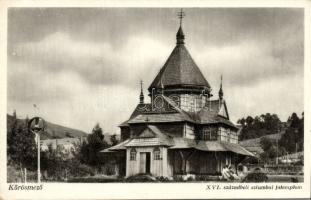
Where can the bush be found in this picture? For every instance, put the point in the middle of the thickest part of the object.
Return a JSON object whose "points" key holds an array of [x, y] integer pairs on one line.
{"points": [[162, 179], [93, 180], [202, 178], [178, 178], [256, 176], [81, 170], [13, 175], [141, 178], [109, 169]]}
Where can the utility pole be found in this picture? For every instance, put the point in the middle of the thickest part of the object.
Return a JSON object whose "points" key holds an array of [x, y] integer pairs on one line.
{"points": [[37, 125], [38, 142], [277, 152]]}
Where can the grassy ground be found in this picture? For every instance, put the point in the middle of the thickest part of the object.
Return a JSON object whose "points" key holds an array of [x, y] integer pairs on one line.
{"points": [[113, 179], [285, 178]]}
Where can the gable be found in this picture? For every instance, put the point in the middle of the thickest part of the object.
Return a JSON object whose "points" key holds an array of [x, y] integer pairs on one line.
{"points": [[147, 133]]}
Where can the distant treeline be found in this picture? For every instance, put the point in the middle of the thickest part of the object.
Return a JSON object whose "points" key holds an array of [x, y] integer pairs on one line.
{"points": [[266, 124]]}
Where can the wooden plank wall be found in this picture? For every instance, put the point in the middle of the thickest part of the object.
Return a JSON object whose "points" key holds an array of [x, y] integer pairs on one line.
{"points": [[157, 167], [199, 163]]}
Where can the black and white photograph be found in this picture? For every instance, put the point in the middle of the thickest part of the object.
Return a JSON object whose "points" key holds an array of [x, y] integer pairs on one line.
{"points": [[156, 95]]}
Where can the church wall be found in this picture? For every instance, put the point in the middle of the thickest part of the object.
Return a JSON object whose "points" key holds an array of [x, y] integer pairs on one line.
{"points": [[170, 162], [209, 133], [125, 133], [174, 129], [199, 162], [188, 131], [177, 162], [164, 162], [192, 102], [137, 129], [203, 163], [131, 165], [227, 135]]}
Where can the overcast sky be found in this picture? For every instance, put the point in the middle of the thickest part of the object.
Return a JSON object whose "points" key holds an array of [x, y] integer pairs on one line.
{"points": [[81, 66]]}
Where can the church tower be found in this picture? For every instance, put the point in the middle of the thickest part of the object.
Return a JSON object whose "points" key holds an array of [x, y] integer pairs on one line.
{"points": [[181, 120], [180, 79]]}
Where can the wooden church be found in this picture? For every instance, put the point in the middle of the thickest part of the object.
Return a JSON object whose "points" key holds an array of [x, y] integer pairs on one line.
{"points": [[182, 131]]}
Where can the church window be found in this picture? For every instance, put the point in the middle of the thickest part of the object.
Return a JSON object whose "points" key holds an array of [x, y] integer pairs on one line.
{"points": [[133, 154], [209, 133], [157, 153], [214, 133], [228, 135], [206, 134], [192, 102]]}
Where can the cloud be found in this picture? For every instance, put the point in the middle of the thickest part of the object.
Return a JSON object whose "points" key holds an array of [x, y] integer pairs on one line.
{"points": [[35, 85], [83, 65], [249, 62], [97, 63], [278, 96], [65, 98]]}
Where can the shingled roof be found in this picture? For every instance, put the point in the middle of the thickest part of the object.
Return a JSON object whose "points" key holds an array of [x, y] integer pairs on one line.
{"points": [[163, 139], [207, 115], [179, 70], [158, 138], [184, 143]]}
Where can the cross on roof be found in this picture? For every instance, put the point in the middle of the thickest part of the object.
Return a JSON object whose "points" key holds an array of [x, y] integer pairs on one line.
{"points": [[181, 15], [141, 84]]}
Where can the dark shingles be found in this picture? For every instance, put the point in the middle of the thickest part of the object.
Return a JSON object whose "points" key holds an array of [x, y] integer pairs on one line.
{"points": [[184, 143], [179, 69]]}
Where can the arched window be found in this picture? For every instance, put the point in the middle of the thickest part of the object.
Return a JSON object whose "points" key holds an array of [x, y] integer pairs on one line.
{"points": [[133, 154], [157, 153]]}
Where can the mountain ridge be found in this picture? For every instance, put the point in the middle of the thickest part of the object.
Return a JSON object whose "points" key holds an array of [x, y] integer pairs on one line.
{"points": [[56, 131], [53, 131]]}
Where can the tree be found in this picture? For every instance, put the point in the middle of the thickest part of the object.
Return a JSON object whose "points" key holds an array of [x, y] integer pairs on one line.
{"points": [[54, 161], [114, 140], [259, 126], [249, 120], [265, 143], [293, 138], [242, 122], [21, 144], [270, 150], [90, 150]]}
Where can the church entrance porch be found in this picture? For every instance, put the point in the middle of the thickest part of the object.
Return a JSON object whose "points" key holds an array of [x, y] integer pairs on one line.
{"points": [[146, 160]]}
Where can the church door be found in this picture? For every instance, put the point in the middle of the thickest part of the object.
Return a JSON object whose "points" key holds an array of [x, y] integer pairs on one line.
{"points": [[144, 164]]}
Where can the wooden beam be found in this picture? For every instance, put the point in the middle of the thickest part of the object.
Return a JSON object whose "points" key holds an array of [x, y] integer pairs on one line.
{"points": [[185, 158], [182, 161], [190, 154]]}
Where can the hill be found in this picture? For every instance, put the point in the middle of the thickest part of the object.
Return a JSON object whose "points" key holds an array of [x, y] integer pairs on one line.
{"points": [[53, 131], [253, 145]]}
